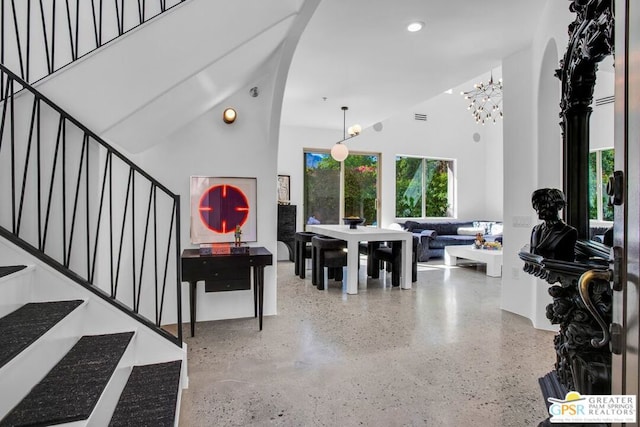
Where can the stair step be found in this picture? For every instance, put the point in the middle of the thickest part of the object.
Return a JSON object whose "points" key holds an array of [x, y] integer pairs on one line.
{"points": [[150, 396], [70, 391], [19, 329], [5, 271]]}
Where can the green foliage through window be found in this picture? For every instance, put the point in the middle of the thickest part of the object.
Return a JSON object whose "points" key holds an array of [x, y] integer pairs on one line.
{"points": [[322, 187], [601, 166], [409, 187], [423, 187]]}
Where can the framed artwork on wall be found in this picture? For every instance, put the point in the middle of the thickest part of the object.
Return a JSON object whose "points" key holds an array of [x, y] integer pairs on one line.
{"points": [[218, 205], [284, 189]]}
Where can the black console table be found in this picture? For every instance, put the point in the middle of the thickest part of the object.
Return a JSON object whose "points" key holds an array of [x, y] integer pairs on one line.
{"points": [[226, 273]]}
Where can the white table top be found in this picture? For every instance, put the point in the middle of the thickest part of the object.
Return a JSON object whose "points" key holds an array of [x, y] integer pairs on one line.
{"points": [[361, 232]]}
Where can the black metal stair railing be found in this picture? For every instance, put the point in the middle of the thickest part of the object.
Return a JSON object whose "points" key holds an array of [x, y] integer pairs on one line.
{"points": [[75, 202], [38, 37]]}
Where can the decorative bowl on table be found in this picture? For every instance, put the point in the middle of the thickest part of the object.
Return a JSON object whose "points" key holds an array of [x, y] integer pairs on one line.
{"points": [[353, 221], [492, 246]]}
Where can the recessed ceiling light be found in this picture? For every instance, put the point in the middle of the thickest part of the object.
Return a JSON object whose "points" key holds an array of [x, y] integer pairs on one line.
{"points": [[415, 26]]}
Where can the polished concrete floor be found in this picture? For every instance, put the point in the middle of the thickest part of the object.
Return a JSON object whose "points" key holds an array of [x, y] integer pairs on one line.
{"points": [[440, 354]]}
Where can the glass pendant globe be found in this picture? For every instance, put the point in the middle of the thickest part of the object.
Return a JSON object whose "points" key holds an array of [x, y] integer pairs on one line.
{"points": [[339, 152]]}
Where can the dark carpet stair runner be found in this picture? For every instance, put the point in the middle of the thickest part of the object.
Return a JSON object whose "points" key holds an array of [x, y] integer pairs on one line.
{"points": [[70, 391], [5, 271], [150, 396], [19, 329]]}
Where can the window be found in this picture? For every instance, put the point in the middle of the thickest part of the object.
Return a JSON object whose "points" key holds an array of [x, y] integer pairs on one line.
{"points": [[333, 190], [424, 187], [600, 169]]}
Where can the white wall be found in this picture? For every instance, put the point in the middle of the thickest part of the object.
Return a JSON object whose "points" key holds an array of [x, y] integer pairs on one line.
{"points": [[200, 50], [208, 147], [494, 171], [448, 133], [602, 117], [204, 145], [520, 180], [549, 156], [527, 134]]}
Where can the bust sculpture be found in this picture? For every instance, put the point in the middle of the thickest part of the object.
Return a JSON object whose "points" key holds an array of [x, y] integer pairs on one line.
{"points": [[553, 239]]}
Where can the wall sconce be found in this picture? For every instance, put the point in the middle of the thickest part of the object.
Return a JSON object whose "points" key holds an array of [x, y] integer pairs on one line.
{"points": [[229, 115]]}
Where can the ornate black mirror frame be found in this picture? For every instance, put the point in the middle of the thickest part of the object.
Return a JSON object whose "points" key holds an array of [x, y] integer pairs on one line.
{"points": [[590, 41], [580, 290]]}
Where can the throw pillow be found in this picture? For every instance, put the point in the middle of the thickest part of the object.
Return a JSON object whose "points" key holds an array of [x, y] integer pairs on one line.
{"points": [[496, 229], [486, 225], [470, 231], [410, 225]]}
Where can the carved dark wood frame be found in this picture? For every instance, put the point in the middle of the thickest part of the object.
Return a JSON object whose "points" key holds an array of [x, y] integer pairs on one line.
{"points": [[584, 360], [581, 302], [590, 41]]}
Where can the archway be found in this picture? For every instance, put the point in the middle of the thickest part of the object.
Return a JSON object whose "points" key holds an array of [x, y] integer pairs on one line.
{"points": [[549, 135]]}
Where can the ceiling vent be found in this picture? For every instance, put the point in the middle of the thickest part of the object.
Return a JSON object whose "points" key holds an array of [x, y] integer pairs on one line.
{"points": [[605, 100], [421, 117]]}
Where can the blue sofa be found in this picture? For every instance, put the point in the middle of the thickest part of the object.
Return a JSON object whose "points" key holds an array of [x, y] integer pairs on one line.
{"points": [[433, 236]]}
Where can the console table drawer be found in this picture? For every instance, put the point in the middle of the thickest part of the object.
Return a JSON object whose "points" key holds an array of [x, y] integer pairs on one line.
{"points": [[228, 280], [212, 268]]}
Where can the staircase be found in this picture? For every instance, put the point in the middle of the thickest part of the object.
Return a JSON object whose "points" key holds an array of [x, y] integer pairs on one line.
{"points": [[59, 364], [81, 341], [39, 38], [99, 236]]}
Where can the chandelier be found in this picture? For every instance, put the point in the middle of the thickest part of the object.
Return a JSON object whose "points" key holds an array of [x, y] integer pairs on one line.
{"points": [[485, 101], [339, 151]]}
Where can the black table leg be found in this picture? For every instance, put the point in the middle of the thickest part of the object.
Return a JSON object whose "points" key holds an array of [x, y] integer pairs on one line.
{"points": [[296, 258], [260, 281], [255, 291], [192, 305]]}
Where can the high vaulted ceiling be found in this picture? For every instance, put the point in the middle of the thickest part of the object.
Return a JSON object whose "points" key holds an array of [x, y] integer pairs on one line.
{"points": [[359, 53]]}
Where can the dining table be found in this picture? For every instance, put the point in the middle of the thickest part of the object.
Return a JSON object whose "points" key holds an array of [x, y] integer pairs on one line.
{"points": [[353, 237]]}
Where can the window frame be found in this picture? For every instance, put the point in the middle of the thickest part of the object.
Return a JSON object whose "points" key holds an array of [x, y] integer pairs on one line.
{"points": [[341, 196], [599, 185], [452, 209]]}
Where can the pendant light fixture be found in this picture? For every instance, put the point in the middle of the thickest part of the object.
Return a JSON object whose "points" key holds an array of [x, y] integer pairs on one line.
{"points": [[485, 101], [340, 151]]}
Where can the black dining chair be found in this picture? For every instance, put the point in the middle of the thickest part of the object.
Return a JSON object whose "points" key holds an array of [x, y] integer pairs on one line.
{"points": [[390, 256], [330, 253], [367, 249], [302, 252]]}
